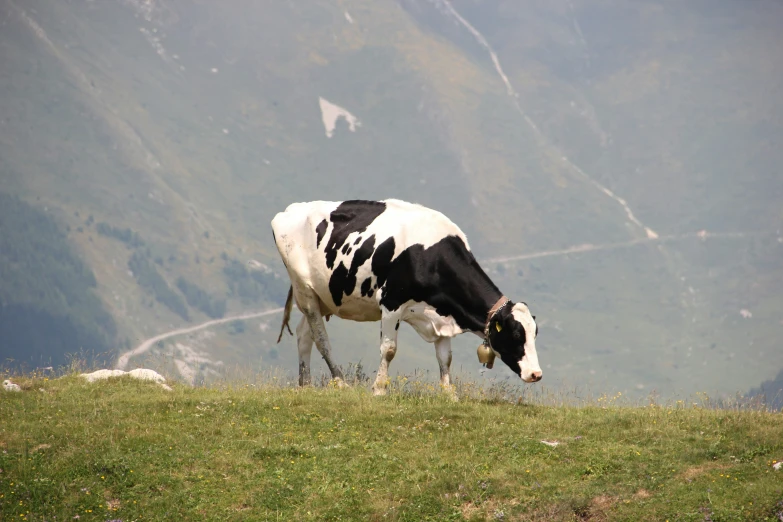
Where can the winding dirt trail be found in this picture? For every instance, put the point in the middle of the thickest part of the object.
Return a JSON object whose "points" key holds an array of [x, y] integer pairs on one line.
{"points": [[625, 244], [122, 361]]}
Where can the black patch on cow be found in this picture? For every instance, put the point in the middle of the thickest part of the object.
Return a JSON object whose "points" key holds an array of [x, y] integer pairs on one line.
{"points": [[446, 276], [349, 217], [345, 249], [367, 287], [358, 240], [397, 326], [381, 261], [320, 230], [343, 281], [337, 283]]}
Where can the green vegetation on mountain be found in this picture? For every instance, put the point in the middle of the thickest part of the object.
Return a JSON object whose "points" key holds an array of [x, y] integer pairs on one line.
{"points": [[198, 298], [48, 308], [148, 278], [251, 285], [259, 451], [126, 235]]}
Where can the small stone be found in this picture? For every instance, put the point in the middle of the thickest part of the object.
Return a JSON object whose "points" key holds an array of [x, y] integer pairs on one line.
{"points": [[9, 386]]}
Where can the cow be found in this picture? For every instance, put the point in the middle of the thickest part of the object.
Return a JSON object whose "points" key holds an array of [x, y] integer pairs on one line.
{"points": [[393, 261]]}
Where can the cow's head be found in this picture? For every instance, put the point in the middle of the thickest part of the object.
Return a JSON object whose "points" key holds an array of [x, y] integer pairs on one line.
{"points": [[512, 336]]}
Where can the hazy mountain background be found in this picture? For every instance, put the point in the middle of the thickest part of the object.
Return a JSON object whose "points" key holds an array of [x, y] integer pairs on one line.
{"points": [[615, 164]]}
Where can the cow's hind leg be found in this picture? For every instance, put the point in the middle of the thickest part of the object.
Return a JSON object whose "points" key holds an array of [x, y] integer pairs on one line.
{"points": [[318, 331], [443, 353], [390, 323], [304, 343]]}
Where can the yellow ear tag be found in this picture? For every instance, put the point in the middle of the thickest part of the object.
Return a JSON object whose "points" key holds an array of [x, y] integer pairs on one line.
{"points": [[497, 325]]}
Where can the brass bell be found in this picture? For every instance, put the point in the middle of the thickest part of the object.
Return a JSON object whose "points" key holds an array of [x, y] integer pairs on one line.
{"points": [[486, 355]]}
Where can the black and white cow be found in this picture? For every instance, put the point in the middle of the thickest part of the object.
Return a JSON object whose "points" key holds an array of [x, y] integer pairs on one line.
{"points": [[395, 261]]}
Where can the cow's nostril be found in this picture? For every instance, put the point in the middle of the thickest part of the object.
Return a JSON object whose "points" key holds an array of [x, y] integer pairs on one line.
{"points": [[537, 376]]}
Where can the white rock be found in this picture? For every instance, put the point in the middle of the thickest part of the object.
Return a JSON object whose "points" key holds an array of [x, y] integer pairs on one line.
{"points": [[777, 466], [9, 386], [142, 374], [147, 375], [102, 374]]}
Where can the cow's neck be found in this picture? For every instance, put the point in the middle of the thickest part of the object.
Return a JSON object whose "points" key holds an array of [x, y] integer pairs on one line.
{"points": [[470, 296], [444, 275]]}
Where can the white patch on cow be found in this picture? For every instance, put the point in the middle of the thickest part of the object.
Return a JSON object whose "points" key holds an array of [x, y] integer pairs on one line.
{"points": [[529, 363], [330, 113], [426, 321], [348, 17]]}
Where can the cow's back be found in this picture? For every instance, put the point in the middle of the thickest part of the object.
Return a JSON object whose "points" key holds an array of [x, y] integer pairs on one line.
{"points": [[413, 224], [296, 234], [316, 239]]}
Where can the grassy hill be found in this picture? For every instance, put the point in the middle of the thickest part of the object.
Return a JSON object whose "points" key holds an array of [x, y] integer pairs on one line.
{"points": [[265, 451], [162, 139]]}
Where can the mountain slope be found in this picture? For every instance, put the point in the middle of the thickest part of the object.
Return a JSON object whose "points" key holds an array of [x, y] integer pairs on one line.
{"points": [[165, 137]]}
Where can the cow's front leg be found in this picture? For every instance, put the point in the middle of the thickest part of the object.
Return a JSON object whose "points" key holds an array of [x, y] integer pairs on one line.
{"points": [[318, 331], [443, 353], [390, 323]]}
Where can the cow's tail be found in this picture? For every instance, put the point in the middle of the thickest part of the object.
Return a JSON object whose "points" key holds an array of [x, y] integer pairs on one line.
{"points": [[289, 303]]}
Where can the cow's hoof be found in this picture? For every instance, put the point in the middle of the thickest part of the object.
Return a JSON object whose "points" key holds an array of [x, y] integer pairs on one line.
{"points": [[450, 392]]}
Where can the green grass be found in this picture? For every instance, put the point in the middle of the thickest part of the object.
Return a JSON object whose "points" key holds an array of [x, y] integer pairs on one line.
{"points": [[126, 450]]}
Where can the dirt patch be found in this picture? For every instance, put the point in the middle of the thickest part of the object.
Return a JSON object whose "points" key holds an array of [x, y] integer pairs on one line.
{"points": [[468, 510], [599, 508], [488, 510], [642, 494], [560, 512], [695, 471], [42, 447]]}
